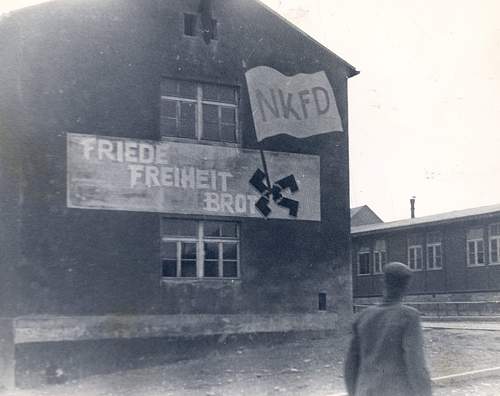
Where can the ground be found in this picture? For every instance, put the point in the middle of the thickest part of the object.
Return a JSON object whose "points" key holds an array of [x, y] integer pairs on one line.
{"points": [[308, 366]]}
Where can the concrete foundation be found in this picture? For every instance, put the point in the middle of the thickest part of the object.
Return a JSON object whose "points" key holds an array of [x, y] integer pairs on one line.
{"points": [[55, 349], [7, 354]]}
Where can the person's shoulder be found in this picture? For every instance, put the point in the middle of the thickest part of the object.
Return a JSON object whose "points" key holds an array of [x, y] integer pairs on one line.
{"points": [[410, 312], [366, 313]]}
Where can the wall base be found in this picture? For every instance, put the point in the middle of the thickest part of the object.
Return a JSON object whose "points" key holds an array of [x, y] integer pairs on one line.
{"points": [[53, 349]]}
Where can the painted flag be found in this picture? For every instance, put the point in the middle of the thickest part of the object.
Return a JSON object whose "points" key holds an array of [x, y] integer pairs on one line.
{"points": [[301, 106]]}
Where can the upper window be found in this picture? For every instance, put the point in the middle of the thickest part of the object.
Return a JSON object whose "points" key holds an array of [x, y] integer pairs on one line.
{"points": [[475, 247], [199, 111], [364, 262], [379, 257], [495, 244], [434, 251], [415, 260], [199, 249], [190, 24], [196, 25]]}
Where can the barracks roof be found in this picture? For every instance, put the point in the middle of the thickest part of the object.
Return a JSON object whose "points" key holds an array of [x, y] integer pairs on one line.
{"points": [[457, 215]]}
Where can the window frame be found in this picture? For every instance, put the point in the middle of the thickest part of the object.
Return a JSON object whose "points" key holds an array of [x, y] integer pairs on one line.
{"points": [[493, 237], [193, 18], [198, 112], [475, 263], [431, 264], [367, 253], [200, 239], [475, 241], [416, 248], [379, 256]]}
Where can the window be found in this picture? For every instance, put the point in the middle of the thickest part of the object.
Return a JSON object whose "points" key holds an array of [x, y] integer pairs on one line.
{"points": [[199, 111], [322, 302], [208, 27], [494, 243], [379, 257], [199, 249], [415, 258], [434, 251], [364, 262], [190, 22], [214, 29], [475, 247]]}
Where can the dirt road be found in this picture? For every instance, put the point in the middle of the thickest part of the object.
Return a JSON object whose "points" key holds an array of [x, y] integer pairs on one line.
{"points": [[302, 367]]}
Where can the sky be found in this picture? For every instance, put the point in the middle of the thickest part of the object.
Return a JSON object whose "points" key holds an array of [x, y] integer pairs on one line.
{"points": [[424, 113]]}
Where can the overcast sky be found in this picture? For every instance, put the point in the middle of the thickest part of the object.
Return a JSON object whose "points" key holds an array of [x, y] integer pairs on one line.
{"points": [[424, 113]]}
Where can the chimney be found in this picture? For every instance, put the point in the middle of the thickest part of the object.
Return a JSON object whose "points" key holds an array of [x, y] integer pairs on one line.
{"points": [[412, 206]]}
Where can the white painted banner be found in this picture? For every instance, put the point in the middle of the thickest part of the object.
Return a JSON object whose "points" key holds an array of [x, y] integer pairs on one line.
{"points": [[301, 106], [182, 178]]}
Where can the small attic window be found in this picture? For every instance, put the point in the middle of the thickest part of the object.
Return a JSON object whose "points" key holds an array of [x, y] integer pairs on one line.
{"points": [[190, 24], [214, 32]]}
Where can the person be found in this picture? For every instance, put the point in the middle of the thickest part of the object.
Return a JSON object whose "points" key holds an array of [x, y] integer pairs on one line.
{"points": [[386, 355]]}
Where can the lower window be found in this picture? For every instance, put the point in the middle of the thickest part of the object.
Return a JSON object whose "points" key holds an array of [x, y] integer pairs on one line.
{"points": [[364, 263], [415, 258], [475, 252], [379, 261], [434, 258], [494, 248], [199, 249]]}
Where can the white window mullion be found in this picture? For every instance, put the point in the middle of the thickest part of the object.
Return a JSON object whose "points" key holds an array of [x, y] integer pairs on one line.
{"points": [[219, 121], [238, 260], [179, 99], [220, 260], [179, 253], [211, 102], [177, 116], [200, 252], [199, 113]]}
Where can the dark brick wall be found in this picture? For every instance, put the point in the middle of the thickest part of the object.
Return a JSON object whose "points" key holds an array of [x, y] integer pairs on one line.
{"points": [[95, 67]]}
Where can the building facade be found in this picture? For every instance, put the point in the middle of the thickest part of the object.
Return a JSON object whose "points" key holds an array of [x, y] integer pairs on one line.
{"points": [[128, 144], [454, 256]]}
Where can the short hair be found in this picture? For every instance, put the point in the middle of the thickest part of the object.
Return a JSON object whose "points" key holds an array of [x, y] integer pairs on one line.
{"points": [[397, 276]]}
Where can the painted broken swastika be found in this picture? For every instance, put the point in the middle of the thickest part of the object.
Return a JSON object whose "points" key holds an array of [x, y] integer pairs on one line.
{"points": [[288, 182]]}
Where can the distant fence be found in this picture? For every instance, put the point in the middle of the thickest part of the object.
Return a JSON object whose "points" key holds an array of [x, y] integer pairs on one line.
{"points": [[445, 309]]}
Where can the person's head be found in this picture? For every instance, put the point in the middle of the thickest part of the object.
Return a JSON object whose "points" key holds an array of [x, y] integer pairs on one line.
{"points": [[397, 277]]}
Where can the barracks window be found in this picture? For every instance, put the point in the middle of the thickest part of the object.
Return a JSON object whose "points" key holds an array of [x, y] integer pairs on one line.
{"points": [[475, 247], [364, 261], [379, 257], [495, 244], [199, 249], [415, 258], [199, 111], [434, 251]]}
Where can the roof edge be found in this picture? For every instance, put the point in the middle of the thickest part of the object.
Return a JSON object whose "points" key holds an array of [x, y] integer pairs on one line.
{"points": [[352, 70], [461, 215]]}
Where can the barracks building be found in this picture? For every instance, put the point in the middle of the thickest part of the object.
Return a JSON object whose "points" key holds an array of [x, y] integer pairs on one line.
{"points": [[165, 171], [455, 257]]}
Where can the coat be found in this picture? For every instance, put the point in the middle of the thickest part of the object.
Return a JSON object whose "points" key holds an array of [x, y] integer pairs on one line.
{"points": [[386, 356]]}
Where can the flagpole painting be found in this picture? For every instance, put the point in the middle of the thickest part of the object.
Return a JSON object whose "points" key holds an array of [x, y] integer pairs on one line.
{"points": [[301, 106]]}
